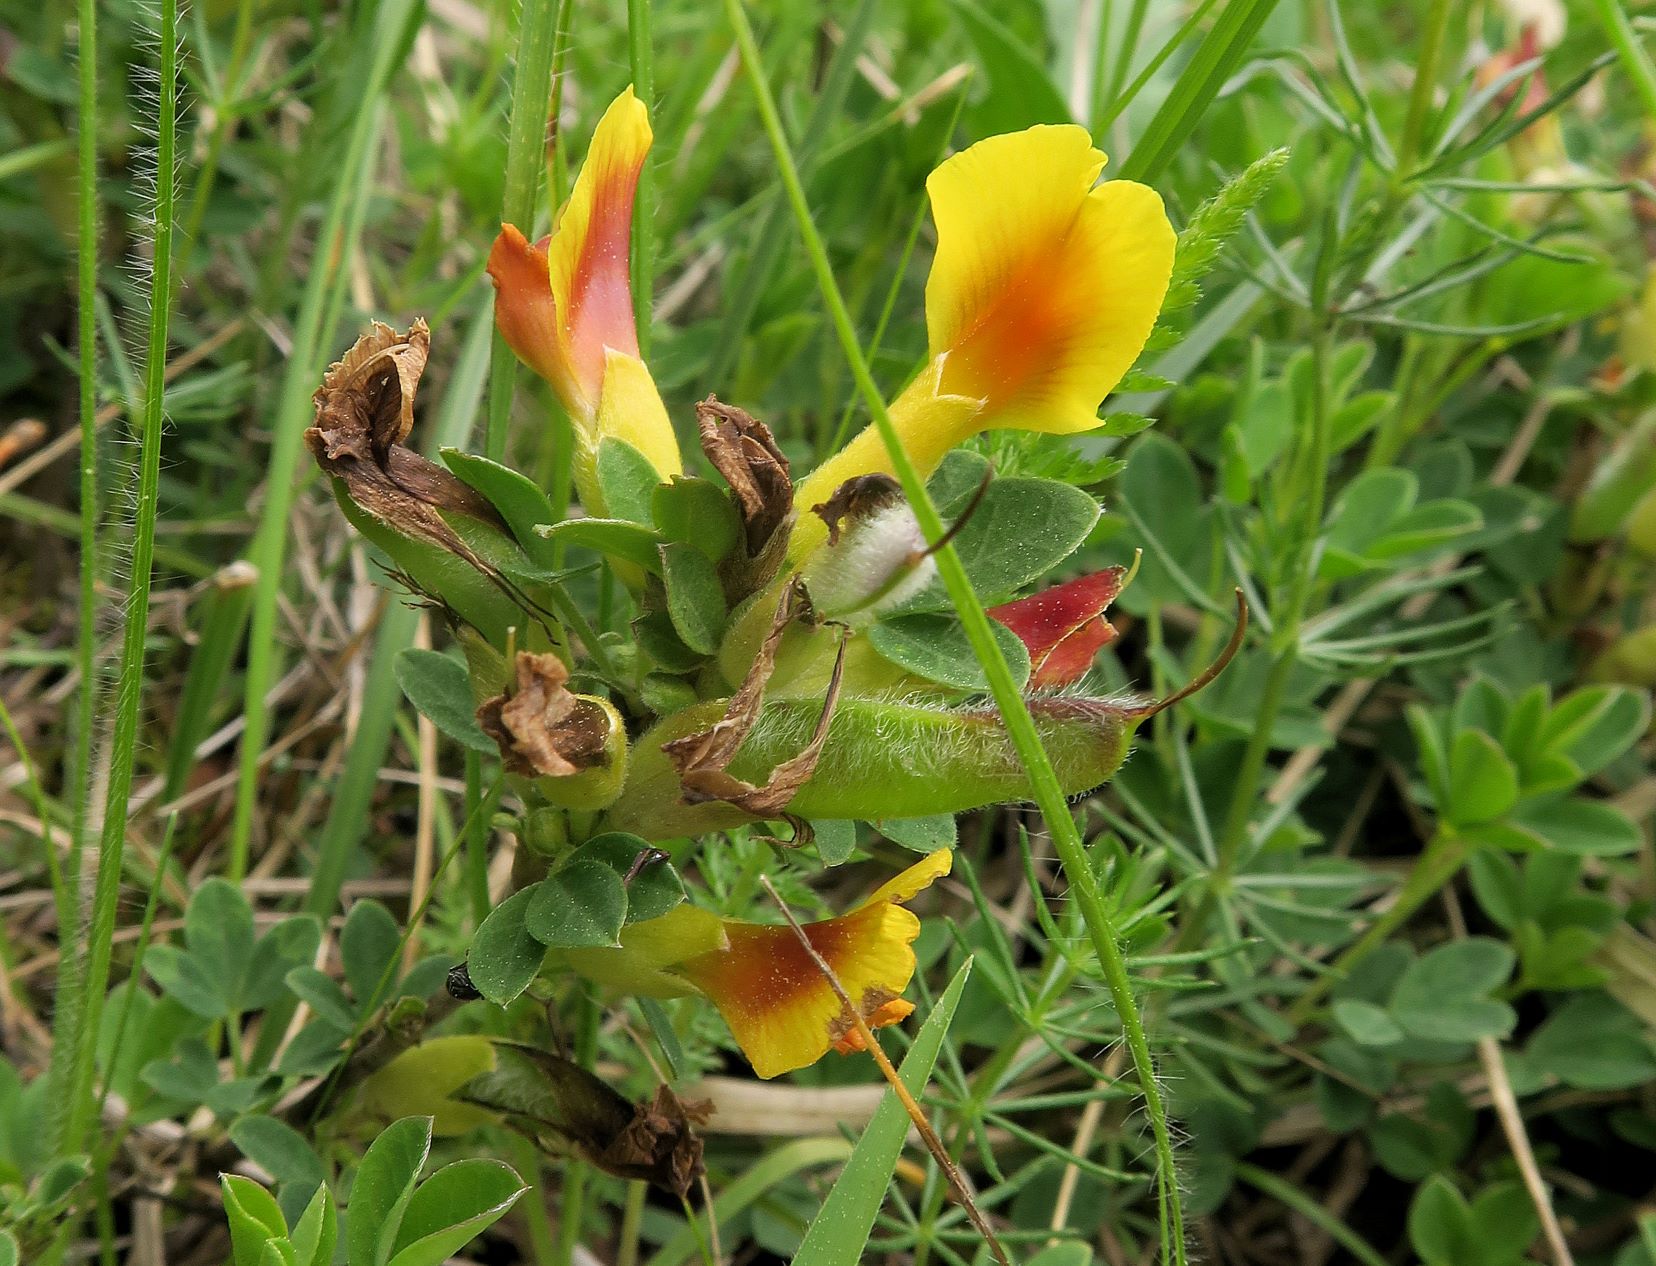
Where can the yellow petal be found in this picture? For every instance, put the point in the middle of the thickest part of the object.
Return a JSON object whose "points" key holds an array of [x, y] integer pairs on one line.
{"points": [[1044, 289], [915, 880], [588, 253], [630, 409], [781, 1010], [929, 424], [639, 966]]}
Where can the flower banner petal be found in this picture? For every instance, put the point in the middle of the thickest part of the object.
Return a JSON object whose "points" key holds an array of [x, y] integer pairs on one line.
{"points": [[589, 252], [1044, 289]]}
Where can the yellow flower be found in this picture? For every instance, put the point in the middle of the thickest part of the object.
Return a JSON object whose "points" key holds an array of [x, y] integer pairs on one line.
{"points": [[1042, 293], [780, 1008], [565, 305]]}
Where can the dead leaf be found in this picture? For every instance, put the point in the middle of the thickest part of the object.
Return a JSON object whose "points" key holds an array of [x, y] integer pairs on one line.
{"points": [[702, 759], [364, 410], [654, 1140], [660, 1144], [743, 450]]}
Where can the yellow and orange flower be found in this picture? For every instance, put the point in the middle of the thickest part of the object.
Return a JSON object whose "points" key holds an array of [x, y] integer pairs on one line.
{"points": [[780, 1008], [1042, 293], [565, 304]]}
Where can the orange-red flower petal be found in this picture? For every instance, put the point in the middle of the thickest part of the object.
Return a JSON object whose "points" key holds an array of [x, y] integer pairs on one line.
{"points": [[525, 312]]}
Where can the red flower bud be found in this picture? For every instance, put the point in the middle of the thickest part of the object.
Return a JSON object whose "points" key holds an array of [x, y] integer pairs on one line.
{"points": [[1064, 627]]}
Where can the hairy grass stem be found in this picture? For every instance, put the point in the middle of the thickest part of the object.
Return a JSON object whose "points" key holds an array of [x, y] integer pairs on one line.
{"points": [[1008, 698]]}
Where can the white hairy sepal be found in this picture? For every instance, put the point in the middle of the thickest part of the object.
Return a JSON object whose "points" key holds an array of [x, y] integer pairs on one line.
{"points": [[879, 562]]}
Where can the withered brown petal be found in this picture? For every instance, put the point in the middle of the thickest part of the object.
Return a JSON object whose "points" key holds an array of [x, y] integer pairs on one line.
{"points": [[654, 1141], [856, 497], [541, 727], [659, 1145], [376, 380], [364, 410], [702, 759], [744, 451]]}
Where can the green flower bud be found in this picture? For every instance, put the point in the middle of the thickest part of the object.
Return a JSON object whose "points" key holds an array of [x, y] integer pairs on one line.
{"points": [[1622, 479], [447, 541]]}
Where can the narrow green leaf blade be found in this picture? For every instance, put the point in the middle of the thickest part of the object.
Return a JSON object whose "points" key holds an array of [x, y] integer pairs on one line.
{"points": [[840, 1229]]}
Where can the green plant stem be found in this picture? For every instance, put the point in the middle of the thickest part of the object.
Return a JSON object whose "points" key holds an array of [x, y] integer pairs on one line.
{"points": [[1420, 94], [632, 1222], [1439, 862], [577, 1173], [751, 283], [526, 141], [542, 1238], [129, 694], [641, 54], [1292, 1197], [842, 429], [1048, 792], [145, 927], [1635, 61], [66, 1017]]}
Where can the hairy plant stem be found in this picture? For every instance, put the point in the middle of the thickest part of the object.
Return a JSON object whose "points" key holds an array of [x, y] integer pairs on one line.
{"points": [[526, 142], [67, 886], [124, 743], [641, 55], [1020, 725]]}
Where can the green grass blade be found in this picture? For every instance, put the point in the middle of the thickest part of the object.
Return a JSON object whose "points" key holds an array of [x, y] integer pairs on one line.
{"points": [[311, 332], [1215, 60], [840, 1229]]}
